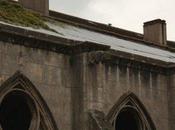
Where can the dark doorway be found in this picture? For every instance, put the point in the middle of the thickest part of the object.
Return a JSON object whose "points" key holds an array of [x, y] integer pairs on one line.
{"points": [[128, 120], [15, 113]]}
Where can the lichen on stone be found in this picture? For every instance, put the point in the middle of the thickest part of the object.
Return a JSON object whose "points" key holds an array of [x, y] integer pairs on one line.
{"points": [[14, 13]]}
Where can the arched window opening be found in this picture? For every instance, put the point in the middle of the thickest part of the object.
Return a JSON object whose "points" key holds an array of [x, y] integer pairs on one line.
{"points": [[22, 106], [130, 114], [15, 112], [128, 119]]}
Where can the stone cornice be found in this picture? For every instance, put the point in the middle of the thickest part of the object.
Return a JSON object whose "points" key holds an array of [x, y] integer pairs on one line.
{"points": [[98, 52], [132, 61]]}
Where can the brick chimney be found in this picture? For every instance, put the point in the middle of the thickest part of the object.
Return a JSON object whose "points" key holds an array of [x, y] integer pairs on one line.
{"points": [[40, 6], [155, 31]]}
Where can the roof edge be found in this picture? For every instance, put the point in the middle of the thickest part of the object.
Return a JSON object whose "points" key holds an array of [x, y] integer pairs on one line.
{"points": [[106, 29], [95, 26], [20, 36], [15, 35]]}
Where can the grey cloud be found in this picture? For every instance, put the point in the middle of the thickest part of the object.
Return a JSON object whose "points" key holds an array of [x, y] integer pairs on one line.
{"points": [[74, 6]]}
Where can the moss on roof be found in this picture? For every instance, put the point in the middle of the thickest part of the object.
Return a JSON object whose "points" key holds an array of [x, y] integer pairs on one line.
{"points": [[15, 14]]}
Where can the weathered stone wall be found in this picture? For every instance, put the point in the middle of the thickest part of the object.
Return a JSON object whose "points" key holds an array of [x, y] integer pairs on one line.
{"points": [[171, 99], [73, 85], [48, 71], [104, 84]]}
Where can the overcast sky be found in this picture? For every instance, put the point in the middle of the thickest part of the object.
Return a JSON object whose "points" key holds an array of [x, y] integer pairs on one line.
{"points": [[126, 14]]}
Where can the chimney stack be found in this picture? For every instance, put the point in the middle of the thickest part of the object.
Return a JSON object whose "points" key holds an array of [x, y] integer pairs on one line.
{"points": [[155, 31], [40, 6]]}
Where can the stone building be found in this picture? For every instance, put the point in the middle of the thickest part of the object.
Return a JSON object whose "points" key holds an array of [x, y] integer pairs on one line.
{"points": [[75, 74]]}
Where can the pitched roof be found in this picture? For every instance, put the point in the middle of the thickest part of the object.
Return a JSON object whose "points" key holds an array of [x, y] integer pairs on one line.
{"points": [[81, 30]]}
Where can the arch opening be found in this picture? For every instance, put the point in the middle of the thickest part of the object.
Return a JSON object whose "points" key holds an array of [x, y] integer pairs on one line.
{"points": [[128, 119], [18, 89], [15, 112]]}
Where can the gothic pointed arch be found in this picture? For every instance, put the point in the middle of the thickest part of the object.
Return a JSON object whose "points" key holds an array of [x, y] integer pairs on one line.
{"points": [[131, 107], [18, 90]]}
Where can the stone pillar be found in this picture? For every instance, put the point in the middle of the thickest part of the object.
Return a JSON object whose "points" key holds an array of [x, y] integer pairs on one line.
{"points": [[171, 101]]}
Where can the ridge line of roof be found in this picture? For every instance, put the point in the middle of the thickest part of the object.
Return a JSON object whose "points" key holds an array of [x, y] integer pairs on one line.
{"points": [[105, 29], [92, 25]]}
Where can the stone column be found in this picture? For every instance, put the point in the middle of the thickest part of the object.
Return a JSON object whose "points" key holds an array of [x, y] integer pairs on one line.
{"points": [[171, 99]]}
